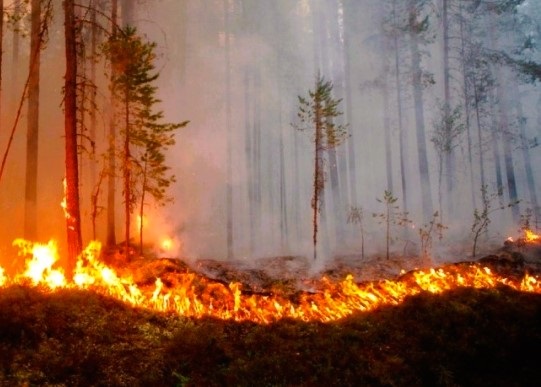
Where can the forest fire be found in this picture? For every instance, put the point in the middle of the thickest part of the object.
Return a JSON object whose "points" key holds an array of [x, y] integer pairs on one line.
{"points": [[193, 295]]}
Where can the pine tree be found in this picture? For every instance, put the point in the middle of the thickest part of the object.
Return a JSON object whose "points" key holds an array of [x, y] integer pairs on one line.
{"points": [[316, 114], [145, 137]]}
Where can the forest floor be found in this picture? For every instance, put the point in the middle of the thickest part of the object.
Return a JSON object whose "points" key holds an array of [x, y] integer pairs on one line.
{"points": [[463, 337]]}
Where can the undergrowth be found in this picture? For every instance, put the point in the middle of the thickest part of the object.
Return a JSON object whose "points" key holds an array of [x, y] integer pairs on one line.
{"points": [[464, 337]]}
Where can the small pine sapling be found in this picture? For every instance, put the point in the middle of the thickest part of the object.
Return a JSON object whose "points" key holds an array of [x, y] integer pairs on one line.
{"points": [[391, 216], [427, 233]]}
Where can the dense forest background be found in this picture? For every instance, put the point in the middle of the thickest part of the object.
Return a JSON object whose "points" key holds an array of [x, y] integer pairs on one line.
{"points": [[441, 101]]}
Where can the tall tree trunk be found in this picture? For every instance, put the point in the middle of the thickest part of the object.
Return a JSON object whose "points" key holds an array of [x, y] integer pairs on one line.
{"points": [[93, 93], [467, 112], [126, 164], [15, 53], [229, 161], [127, 12], [111, 156], [348, 99], [525, 147], [72, 211], [31, 180], [1, 55], [417, 85], [248, 154], [401, 130], [449, 153]]}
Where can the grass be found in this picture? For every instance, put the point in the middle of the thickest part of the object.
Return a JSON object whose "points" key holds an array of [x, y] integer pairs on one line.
{"points": [[464, 337]]}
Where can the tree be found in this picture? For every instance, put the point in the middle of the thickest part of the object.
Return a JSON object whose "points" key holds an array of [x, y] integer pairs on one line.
{"points": [[145, 138], [390, 216], [71, 187], [317, 113], [111, 155], [1, 49], [31, 181], [418, 30], [447, 128]]}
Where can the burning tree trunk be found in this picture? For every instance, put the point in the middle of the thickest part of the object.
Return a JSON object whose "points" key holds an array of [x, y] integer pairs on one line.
{"points": [[71, 208]]}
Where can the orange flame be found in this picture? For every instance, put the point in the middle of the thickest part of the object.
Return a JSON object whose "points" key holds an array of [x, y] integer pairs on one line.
{"points": [[196, 296], [530, 236]]}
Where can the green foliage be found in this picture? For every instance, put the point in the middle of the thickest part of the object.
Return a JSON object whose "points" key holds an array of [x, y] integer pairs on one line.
{"points": [[317, 114], [146, 137], [391, 216], [481, 217], [466, 337], [428, 231], [132, 81], [447, 129]]}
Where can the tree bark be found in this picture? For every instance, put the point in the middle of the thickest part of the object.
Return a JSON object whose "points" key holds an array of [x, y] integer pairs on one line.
{"points": [[111, 179], [30, 214], [417, 84], [229, 161], [72, 211]]}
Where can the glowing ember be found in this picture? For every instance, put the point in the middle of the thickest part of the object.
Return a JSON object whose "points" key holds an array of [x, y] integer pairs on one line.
{"points": [[196, 296], [167, 244]]}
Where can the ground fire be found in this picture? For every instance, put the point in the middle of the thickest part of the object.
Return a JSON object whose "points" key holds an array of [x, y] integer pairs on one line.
{"points": [[191, 294]]}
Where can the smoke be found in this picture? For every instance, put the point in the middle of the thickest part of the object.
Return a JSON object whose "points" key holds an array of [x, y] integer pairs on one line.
{"points": [[276, 50]]}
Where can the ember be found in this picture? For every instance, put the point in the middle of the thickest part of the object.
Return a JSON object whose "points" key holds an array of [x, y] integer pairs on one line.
{"points": [[193, 295]]}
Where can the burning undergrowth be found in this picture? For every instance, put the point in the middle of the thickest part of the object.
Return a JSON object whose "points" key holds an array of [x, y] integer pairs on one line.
{"points": [[163, 322]]}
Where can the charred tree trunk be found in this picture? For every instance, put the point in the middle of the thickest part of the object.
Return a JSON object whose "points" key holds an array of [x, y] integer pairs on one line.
{"points": [[31, 180], [73, 220]]}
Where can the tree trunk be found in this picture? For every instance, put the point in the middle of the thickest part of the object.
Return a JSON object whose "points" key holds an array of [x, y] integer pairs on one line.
{"points": [[530, 177], [229, 161], [72, 212], [127, 174], [1, 54], [417, 85], [111, 157], [15, 53], [467, 112], [449, 153], [93, 93], [30, 215], [401, 130], [348, 99]]}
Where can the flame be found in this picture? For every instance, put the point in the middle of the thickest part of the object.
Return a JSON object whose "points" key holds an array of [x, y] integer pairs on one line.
{"points": [[530, 236], [167, 244], [196, 296]]}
